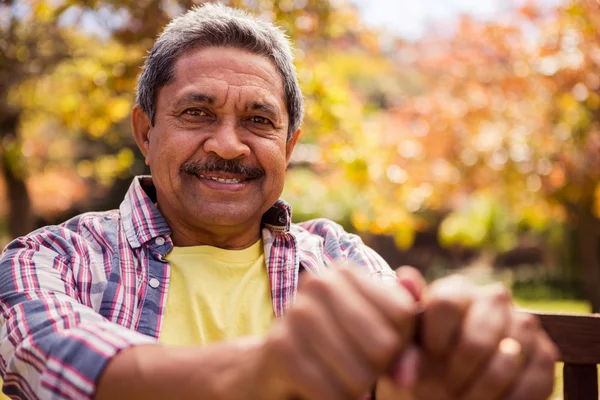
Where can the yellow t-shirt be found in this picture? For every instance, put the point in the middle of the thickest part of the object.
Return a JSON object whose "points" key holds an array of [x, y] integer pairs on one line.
{"points": [[216, 294]]}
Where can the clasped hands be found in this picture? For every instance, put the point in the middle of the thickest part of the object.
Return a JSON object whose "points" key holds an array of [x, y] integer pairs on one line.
{"points": [[347, 335]]}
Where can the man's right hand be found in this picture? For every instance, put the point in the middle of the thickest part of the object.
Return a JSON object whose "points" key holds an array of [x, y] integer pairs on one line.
{"points": [[343, 331]]}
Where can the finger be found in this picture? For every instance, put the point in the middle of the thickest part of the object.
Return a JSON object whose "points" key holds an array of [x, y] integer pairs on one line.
{"points": [[362, 323], [445, 305], [537, 380], [484, 326], [508, 361], [405, 371], [304, 378], [396, 304], [327, 344], [412, 280]]}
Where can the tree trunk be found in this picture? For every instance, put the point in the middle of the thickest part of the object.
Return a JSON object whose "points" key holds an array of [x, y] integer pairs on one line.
{"points": [[20, 214], [588, 236]]}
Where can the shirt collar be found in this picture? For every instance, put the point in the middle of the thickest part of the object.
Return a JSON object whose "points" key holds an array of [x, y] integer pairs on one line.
{"points": [[142, 221]]}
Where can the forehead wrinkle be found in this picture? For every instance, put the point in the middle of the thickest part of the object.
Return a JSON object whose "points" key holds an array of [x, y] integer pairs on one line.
{"points": [[264, 96], [244, 79], [266, 67], [208, 74], [190, 75], [255, 70]]}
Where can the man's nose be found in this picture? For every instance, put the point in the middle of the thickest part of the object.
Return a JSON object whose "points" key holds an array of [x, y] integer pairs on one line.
{"points": [[225, 142]]}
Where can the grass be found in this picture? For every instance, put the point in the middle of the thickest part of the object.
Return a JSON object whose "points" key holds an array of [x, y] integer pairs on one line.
{"points": [[556, 306]]}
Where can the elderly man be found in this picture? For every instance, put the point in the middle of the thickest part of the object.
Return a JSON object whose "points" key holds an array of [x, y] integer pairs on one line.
{"points": [[199, 286]]}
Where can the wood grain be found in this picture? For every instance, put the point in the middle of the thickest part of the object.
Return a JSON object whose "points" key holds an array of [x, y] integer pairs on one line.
{"points": [[580, 382], [577, 336]]}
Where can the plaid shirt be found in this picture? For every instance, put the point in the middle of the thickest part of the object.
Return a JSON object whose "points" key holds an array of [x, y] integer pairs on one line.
{"points": [[73, 295]]}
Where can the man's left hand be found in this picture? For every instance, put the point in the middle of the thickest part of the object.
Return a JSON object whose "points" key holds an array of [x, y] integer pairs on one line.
{"points": [[473, 344]]}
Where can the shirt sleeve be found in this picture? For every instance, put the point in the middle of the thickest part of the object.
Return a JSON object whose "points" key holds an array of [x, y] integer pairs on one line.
{"points": [[51, 344], [342, 246]]}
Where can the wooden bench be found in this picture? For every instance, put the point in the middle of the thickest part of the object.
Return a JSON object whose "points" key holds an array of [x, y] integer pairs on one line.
{"points": [[578, 339]]}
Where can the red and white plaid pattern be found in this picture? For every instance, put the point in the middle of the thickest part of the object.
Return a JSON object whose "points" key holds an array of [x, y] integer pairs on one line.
{"points": [[73, 295]]}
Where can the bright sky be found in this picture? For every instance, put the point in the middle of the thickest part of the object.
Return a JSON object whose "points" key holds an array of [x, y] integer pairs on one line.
{"points": [[409, 18], [405, 18]]}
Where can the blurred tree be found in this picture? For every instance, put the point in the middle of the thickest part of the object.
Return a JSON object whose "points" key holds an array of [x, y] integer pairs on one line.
{"points": [[503, 136], [570, 60], [30, 44], [491, 130], [85, 57], [67, 78]]}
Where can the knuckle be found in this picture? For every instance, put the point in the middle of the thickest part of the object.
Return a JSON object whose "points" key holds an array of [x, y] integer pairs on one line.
{"points": [[443, 305], [478, 347], [498, 294], [403, 302], [548, 359], [280, 345], [527, 321], [301, 313], [384, 346], [320, 286]]}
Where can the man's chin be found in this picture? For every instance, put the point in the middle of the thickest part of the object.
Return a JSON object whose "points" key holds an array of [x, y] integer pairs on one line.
{"points": [[232, 216]]}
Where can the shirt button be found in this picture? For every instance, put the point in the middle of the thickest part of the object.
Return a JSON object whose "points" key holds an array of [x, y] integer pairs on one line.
{"points": [[154, 283], [159, 241]]}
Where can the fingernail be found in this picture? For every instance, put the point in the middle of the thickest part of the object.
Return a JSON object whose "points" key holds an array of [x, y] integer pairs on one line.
{"points": [[405, 372]]}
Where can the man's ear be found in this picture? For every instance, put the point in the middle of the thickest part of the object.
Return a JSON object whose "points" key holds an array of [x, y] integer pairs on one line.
{"points": [[141, 126], [289, 147]]}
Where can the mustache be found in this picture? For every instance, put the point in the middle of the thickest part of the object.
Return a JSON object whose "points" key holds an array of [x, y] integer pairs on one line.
{"points": [[218, 164]]}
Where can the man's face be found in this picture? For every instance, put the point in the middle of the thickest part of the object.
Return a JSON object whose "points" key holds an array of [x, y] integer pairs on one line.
{"points": [[218, 149]]}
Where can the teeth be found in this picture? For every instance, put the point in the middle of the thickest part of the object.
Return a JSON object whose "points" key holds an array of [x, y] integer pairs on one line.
{"points": [[221, 180]]}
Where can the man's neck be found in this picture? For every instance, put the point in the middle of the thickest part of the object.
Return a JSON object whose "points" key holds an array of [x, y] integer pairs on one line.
{"points": [[224, 238], [186, 232]]}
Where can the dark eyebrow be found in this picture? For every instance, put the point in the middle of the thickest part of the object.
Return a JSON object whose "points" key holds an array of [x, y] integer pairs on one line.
{"points": [[267, 108], [192, 98]]}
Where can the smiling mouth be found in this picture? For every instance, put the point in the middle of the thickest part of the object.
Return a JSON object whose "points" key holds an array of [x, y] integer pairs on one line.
{"points": [[224, 180]]}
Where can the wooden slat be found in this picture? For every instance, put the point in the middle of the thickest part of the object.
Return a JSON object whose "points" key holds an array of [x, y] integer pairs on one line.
{"points": [[577, 336], [580, 382]]}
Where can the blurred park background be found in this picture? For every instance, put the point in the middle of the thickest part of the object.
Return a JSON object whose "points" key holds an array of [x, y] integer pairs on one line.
{"points": [[451, 135]]}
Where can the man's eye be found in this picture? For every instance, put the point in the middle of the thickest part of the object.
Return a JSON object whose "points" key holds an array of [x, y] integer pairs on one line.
{"points": [[260, 120], [194, 112]]}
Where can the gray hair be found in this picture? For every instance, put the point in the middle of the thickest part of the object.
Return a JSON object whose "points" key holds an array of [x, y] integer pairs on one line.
{"points": [[218, 25]]}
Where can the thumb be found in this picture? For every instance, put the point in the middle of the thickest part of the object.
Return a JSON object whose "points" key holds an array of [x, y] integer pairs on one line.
{"points": [[412, 280], [405, 370]]}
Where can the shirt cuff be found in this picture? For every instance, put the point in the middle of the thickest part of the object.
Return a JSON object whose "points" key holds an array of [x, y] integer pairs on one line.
{"points": [[79, 357]]}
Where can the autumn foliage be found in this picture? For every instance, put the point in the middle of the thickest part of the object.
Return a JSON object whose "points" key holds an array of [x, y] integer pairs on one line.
{"points": [[480, 135]]}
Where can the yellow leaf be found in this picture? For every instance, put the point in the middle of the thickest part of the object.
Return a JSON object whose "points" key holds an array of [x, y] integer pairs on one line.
{"points": [[404, 237], [118, 108], [597, 201]]}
